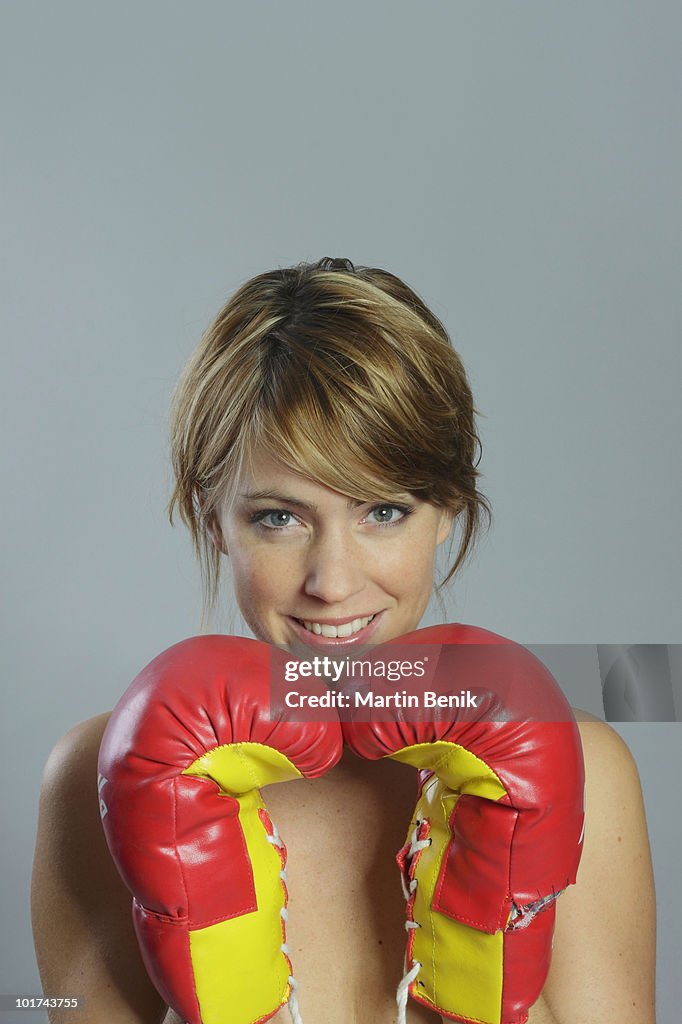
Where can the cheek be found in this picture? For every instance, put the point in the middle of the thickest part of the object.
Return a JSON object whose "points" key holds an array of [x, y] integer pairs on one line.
{"points": [[251, 580], [409, 570], [261, 579], [422, 577], [421, 547]]}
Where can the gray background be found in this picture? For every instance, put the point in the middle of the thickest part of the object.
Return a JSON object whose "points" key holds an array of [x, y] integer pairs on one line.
{"points": [[517, 163]]}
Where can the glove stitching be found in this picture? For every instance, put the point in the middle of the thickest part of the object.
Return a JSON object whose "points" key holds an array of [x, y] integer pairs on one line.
{"points": [[462, 1017], [508, 897], [158, 916], [188, 952], [178, 858], [246, 763], [274, 838]]}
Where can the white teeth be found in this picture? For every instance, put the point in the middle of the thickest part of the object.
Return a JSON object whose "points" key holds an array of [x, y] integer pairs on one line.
{"points": [[347, 629]]}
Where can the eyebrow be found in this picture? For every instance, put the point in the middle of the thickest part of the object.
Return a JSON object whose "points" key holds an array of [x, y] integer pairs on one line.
{"points": [[286, 499]]}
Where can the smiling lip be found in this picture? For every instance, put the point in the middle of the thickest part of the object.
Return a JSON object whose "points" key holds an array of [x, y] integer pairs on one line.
{"points": [[314, 640]]}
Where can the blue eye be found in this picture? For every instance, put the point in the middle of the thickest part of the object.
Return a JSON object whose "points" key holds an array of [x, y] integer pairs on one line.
{"points": [[273, 518], [389, 514], [279, 519]]}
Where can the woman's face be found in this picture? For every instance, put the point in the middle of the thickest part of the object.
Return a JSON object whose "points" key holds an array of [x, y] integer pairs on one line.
{"points": [[312, 566]]}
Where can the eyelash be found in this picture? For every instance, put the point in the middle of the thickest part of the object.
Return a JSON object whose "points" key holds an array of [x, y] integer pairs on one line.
{"points": [[258, 517]]}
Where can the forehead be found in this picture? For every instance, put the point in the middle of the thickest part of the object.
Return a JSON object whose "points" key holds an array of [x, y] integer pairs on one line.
{"points": [[264, 477], [262, 473]]}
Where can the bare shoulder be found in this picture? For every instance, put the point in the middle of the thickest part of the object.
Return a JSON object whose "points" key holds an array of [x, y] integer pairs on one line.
{"points": [[613, 794], [69, 810], [603, 963], [603, 747], [81, 911], [75, 753]]}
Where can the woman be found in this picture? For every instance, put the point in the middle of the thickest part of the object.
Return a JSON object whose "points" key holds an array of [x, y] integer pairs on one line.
{"points": [[323, 441]]}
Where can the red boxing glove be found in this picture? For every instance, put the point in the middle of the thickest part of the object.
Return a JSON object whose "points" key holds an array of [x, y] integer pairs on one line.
{"points": [[497, 831], [181, 764]]}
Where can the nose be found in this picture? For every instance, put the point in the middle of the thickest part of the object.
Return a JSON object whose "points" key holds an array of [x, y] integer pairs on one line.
{"points": [[335, 568]]}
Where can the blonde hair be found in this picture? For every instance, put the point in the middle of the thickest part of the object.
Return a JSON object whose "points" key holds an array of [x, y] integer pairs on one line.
{"points": [[310, 360]]}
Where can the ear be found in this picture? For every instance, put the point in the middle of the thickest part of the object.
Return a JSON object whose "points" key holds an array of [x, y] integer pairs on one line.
{"points": [[211, 525], [216, 535], [447, 518]]}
